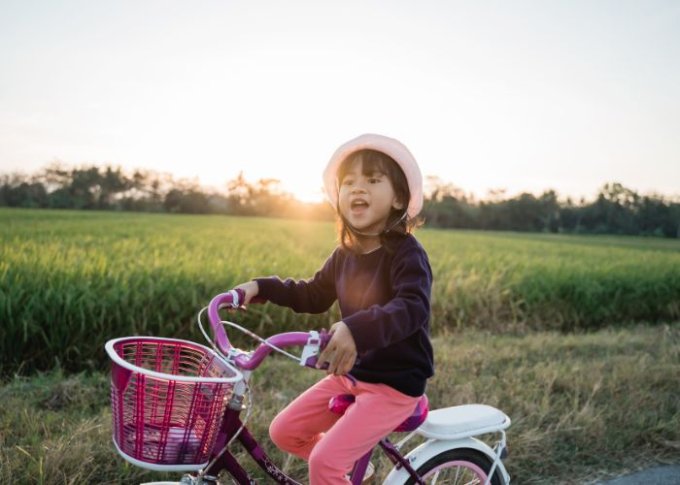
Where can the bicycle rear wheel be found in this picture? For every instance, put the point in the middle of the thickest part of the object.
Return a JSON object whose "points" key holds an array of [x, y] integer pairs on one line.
{"points": [[457, 467]]}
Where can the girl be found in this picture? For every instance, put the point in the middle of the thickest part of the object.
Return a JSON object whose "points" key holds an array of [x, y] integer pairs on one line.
{"points": [[380, 351]]}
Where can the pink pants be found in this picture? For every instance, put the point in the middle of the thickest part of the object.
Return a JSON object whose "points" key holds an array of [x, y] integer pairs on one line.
{"points": [[331, 443]]}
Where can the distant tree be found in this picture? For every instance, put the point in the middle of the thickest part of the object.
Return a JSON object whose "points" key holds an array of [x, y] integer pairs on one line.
{"points": [[17, 191], [656, 217], [550, 211], [112, 183], [240, 195], [570, 216], [190, 201], [448, 206], [674, 215]]}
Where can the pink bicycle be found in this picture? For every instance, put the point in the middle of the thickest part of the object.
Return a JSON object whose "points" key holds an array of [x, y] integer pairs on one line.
{"points": [[177, 406]]}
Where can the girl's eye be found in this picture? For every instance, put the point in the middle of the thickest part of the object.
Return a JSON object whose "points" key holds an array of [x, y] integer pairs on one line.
{"points": [[373, 180], [347, 181]]}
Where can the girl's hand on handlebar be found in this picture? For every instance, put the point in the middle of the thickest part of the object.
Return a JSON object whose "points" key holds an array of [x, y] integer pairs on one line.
{"points": [[251, 289], [341, 351]]}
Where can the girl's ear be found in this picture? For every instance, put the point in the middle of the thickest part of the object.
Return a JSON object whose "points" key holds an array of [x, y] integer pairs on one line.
{"points": [[397, 204]]}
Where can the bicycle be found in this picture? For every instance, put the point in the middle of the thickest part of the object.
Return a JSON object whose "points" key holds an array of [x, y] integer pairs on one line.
{"points": [[177, 406]]}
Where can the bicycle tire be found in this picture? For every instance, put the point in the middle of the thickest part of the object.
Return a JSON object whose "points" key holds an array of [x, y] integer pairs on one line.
{"points": [[467, 462]]}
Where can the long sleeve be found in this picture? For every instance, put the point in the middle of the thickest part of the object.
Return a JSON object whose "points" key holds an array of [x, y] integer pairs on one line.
{"points": [[406, 313], [315, 295]]}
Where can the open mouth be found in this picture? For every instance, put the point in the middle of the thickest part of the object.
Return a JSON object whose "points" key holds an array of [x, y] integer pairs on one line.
{"points": [[358, 204]]}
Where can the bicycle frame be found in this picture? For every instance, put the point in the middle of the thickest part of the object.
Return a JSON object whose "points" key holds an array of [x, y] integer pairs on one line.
{"points": [[231, 425]]}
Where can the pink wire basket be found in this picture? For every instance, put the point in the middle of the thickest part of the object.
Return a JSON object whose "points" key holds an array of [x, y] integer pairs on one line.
{"points": [[168, 398]]}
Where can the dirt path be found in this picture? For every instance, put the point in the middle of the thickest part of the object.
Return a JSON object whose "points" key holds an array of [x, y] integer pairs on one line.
{"points": [[661, 475]]}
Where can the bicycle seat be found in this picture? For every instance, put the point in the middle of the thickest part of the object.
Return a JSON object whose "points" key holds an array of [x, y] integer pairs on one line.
{"points": [[339, 404], [462, 421]]}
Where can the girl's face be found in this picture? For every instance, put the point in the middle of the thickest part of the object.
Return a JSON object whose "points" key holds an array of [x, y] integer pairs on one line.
{"points": [[366, 199]]}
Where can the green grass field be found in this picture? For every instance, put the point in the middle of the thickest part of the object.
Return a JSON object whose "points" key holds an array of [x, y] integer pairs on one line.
{"points": [[68, 276], [576, 338]]}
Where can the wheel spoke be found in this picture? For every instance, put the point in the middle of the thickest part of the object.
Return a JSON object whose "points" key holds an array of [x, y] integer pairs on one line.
{"points": [[455, 479], [474, 481]]}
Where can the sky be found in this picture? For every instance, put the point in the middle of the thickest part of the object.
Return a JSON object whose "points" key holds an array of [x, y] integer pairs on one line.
{"points": [[520, 95]]}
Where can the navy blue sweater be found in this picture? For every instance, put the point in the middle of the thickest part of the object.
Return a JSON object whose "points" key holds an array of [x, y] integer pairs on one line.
{"points": [[384, 299]]}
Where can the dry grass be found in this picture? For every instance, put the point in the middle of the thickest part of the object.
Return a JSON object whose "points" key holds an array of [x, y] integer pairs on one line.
{"points": [[583, 406]]}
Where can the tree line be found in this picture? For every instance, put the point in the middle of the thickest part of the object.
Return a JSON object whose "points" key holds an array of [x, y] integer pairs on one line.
{"points": [[615, 210], [111, 188]]}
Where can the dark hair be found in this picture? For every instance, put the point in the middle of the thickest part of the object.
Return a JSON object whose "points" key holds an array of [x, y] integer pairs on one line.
{"points": [[398, 225]]}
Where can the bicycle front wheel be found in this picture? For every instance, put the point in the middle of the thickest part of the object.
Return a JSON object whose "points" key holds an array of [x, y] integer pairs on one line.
{"points": [[457, 467]]}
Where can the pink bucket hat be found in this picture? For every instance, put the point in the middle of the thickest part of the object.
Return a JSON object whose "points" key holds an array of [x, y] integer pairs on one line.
{"points": [[388, 146]]}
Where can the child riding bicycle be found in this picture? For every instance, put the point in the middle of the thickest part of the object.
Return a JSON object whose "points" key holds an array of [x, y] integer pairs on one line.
{"points": [[380, 351]]}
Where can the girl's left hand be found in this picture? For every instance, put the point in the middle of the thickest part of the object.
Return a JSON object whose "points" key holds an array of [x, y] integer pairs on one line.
{"points": [[341, 351]]}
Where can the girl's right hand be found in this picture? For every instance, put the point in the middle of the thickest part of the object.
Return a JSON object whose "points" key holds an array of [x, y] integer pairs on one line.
{"points": [[341, 352], [251, 289]]}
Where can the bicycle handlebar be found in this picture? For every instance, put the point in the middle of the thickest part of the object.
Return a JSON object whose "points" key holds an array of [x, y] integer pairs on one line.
{"points": [[234, 299], [230, 299]]}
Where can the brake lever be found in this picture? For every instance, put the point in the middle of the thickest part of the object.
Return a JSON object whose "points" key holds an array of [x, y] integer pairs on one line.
{"points": [[239, 297], [316, 342]]}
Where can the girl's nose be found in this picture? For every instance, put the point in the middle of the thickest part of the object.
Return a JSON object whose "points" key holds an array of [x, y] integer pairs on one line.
{"points": [[358, 186]]}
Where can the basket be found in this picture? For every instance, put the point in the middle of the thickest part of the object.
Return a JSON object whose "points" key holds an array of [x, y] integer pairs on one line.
{"points": [[168, 398]]}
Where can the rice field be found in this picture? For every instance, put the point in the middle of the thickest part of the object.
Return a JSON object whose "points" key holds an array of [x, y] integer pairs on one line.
{"points": [[70, 280]]}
